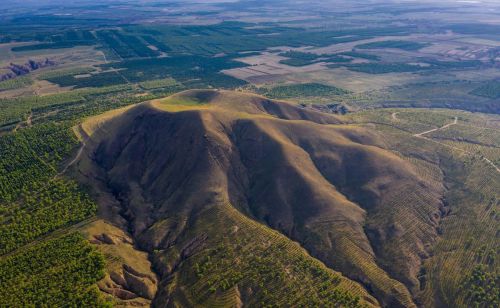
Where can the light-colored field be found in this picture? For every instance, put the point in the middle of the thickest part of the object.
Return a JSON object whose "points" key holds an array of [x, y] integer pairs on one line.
{"points": [[39, 87], [479, 75], [480, 41], [354, 81], [342, 47], [43, 87], [5, 53], [64, 59], [66, 56], [266, 67]]}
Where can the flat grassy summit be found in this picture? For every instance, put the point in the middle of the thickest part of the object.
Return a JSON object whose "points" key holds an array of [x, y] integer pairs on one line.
{"points": [[239, 199]]}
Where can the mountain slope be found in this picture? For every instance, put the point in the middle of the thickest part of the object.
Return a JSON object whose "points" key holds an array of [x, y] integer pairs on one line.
{"points": [[184, 175]]}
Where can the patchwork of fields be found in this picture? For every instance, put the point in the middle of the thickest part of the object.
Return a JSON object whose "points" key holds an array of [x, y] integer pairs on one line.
{"points": [[372, 181]]}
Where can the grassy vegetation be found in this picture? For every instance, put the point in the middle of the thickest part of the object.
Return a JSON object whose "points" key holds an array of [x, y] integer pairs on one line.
{"points": [[236, 37], [56, 45], [159, 83], [360, 55], [17, 109], [32, 201], [183, 68], [126, 46], [297, 58], [384, 68], [489, 90], [73, 105], [45, 208], [301, 90], [482, 287], [182, 100], [428, 65], [31, 157], [16, 83], [463, 268], [66, 72], [404, 45], [279, 272], [93, 81], [59, 272]]}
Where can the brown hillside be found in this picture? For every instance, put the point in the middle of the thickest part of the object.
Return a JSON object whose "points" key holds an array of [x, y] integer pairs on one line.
{"points": [[161, 167]]}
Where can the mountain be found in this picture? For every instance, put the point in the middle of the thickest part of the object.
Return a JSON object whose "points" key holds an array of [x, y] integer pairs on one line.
{"points": [[240, 200]]}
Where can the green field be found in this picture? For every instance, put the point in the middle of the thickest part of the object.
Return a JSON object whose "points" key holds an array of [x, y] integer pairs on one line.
{"points": [[404, 45], [39, 275], [301, 90], [489, 90], [15, 83]]}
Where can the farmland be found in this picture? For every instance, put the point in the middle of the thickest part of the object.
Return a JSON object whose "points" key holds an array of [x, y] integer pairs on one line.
{"points": [[46, 282], [404, 45], [489, 90], [469, 196], [302, 90], [235, 153]]}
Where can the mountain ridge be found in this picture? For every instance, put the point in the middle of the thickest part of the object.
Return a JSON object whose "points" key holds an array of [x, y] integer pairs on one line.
{"points": [[301, 172]]}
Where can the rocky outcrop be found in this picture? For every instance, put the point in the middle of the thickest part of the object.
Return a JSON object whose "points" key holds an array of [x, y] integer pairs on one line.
{"points": [[129, 278], [23, 69]]}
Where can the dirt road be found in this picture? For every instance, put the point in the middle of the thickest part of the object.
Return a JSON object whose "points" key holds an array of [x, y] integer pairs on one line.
{"points": [[421, 135], [439, 128]]}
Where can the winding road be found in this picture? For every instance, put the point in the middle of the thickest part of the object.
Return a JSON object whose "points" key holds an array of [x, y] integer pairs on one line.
{"points": [[455, 121]]}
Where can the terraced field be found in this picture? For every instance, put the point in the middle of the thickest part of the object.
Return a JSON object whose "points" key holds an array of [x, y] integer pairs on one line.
{"points": [[252, 257], [465, 157]]}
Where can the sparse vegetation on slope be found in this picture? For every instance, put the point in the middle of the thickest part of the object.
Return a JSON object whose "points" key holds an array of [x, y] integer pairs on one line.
{"points": [[269, 150], [251, 264], [464, 259], [482, 287]]}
